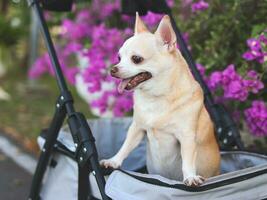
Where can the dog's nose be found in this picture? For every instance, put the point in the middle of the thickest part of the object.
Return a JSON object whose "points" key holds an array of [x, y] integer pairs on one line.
{"points": [[114, 70]]}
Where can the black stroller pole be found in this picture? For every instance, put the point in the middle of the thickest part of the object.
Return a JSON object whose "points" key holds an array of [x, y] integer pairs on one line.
{"points": [[86, 154], [51, 49]]}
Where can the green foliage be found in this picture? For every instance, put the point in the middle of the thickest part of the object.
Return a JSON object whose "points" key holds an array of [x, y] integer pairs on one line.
{"points": [[218, 35], [8, 34], [14, 24], [14, 31]]}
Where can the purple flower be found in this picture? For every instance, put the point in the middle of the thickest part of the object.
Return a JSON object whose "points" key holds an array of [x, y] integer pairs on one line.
{"points": [[201, 5], [103, 9], [256, 51], [253, 84], [254, 44], [170, 3], [214, 80], [252, 74], [229, 74], [43, 65], [83, 15], [152, 19], [235, 90], [201, 69], [101, 54], [123, 104], [263, 38], [234, 86], [70, 48], [75, 31], [248, 56], [127, 18], [256, 118], [70, 74]]}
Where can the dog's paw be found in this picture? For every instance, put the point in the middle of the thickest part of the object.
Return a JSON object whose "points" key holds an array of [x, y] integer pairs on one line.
{"points": [[113, 163], [194, 181]]}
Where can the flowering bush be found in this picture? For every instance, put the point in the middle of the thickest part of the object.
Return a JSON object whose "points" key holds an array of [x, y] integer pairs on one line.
{"points": [[256, 118], [228, 43], [234, 86]]}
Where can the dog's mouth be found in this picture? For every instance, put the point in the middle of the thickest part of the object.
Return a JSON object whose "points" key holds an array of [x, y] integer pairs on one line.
{"points": [[132, 82]]}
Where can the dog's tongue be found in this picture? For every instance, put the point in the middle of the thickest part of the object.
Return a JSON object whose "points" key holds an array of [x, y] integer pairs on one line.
{"points": [[123, 84]]}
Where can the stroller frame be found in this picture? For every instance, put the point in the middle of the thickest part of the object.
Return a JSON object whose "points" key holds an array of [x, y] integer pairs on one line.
{"points": [[86, 154]]}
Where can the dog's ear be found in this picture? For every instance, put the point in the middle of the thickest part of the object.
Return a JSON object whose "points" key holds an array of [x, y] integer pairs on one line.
{"points": [[166, 33], [140, 27]]}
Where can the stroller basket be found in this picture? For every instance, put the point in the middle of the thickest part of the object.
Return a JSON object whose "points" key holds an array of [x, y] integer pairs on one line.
{"points": [[243, 174]]}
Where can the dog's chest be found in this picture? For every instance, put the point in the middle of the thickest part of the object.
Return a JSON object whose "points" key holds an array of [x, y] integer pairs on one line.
{"points": [[150, 113], [163, 154], [163, 148]]}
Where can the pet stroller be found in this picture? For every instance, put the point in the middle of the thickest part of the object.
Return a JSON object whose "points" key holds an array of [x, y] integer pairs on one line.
{"points": [[68, 165]]}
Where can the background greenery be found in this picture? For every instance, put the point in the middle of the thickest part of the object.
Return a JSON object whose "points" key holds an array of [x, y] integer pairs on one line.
{"points": [[32, 103]]}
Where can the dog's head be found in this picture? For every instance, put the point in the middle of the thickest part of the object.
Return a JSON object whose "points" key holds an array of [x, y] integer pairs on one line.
{"points": [[144, 57]]}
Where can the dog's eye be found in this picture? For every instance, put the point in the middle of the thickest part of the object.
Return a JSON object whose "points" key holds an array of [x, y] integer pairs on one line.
{"points": [[119, 58], [137, 59]]}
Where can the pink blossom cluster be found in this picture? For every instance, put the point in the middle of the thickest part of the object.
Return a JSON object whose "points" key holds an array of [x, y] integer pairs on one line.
{"points": [[152, 19], [101, 55], [81, 27], [256, 49], [196, 5], [200, 5], [256, 118], [102, 9], [235, 87], [43, 65]]}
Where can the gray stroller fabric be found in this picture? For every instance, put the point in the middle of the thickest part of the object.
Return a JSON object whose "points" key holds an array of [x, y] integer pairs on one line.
{"points": [[244, 174], [62, 179], [121, 186]]}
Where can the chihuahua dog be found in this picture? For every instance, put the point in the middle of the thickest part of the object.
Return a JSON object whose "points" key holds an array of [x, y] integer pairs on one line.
{"points": [[168, 108]]}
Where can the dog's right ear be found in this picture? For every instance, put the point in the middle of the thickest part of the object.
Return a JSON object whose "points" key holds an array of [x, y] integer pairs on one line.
{"points": [[166, 34], [140, 27]]}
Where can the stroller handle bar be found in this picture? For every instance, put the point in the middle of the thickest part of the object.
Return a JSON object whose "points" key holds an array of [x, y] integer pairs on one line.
{"points": [[86, 154]]}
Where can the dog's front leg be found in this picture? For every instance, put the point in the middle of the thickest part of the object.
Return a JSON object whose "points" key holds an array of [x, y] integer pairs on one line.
{"points": [[133, 138], [189, 153]]}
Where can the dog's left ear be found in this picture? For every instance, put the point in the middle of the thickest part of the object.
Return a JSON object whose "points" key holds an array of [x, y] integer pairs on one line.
{"points": [[166, 33]]}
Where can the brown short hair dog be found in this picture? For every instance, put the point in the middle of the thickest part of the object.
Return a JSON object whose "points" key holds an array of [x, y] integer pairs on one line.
{"points": [[168, 107]]}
